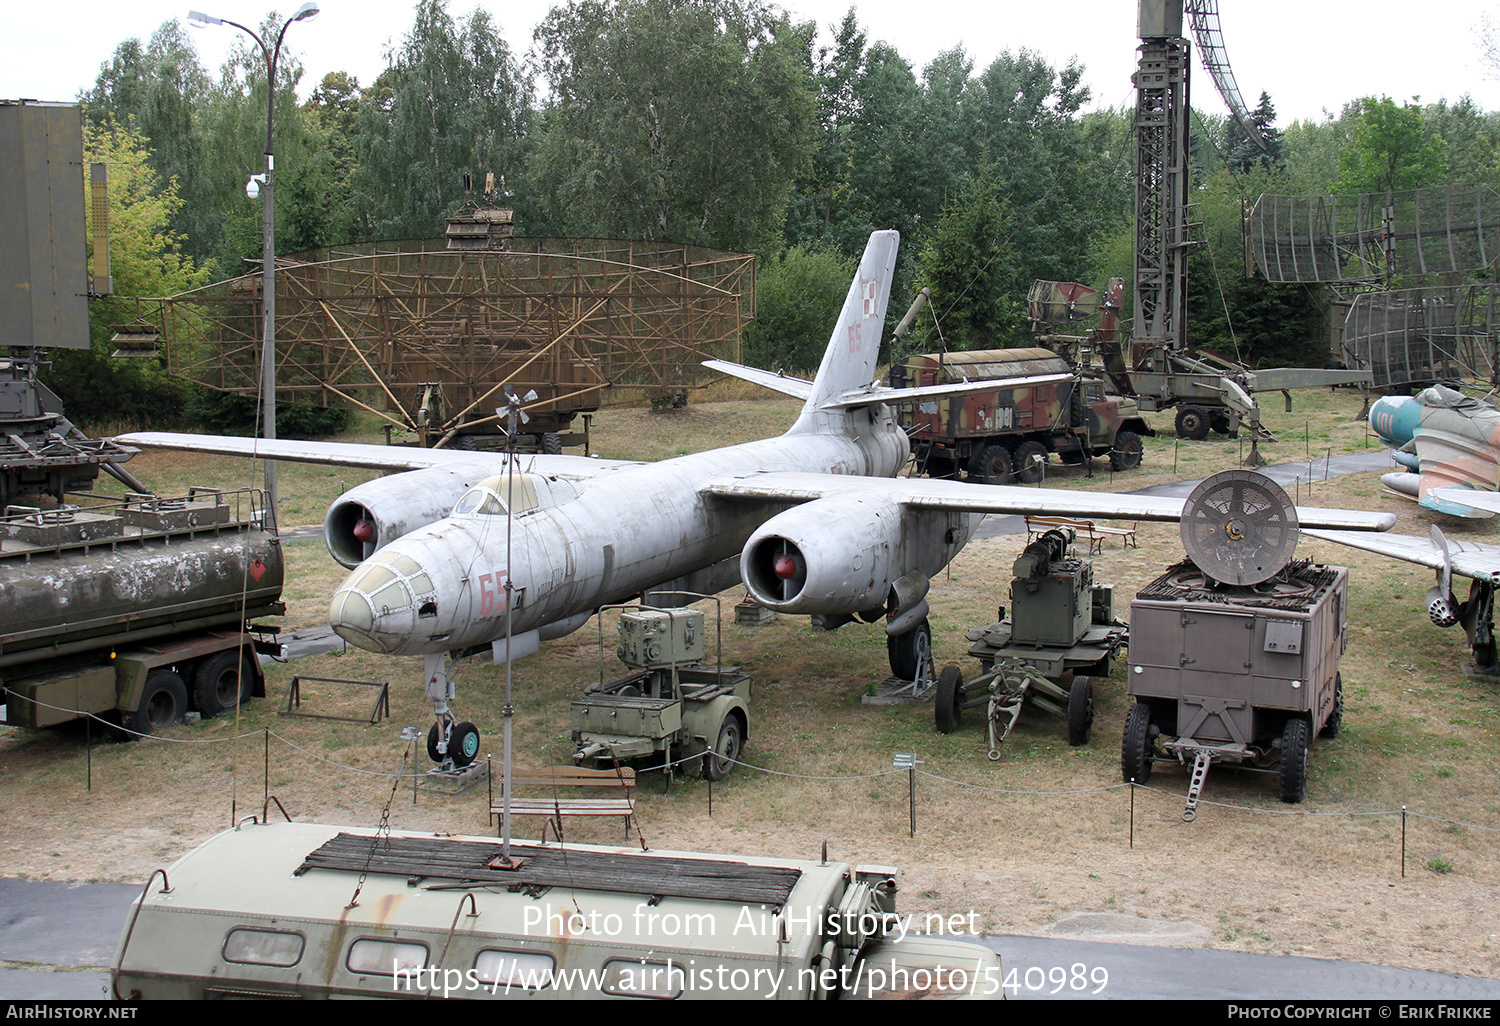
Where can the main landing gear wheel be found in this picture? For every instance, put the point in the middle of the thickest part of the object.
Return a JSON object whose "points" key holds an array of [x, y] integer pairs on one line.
{"points": [[1192, 422], [910, 652], [163, 702], [948, 703], [726, 750], [222, 682], [1135, 746], [1080, 710]]}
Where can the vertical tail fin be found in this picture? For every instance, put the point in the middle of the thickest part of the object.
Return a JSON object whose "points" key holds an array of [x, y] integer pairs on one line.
{"points": [[849, 361]]}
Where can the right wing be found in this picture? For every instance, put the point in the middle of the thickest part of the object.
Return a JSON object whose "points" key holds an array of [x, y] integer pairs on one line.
{"points": [[1468, 559], [356, 454], [925, 493]]}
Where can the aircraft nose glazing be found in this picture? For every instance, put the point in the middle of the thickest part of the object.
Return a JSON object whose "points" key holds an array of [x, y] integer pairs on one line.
{"points": [[384, 604]]}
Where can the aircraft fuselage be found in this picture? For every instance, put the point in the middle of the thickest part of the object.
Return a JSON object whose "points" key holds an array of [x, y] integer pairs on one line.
{"points": [[444, 587]]}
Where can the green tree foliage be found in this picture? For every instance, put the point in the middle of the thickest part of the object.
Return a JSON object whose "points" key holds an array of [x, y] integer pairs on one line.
{"points": [[972, 273], [146, 259], [1241, 153], [1246, 318], [234, 130], [453, 101], [677, 120], [160, 90], [1391, 151], [798, 295], [863, 171]]}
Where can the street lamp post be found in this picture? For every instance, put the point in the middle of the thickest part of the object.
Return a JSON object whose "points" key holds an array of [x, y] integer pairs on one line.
{"points": [[268, 229]]}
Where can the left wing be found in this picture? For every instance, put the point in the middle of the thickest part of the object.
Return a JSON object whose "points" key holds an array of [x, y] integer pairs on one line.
{"points": [[371, 457], [983, 498]]}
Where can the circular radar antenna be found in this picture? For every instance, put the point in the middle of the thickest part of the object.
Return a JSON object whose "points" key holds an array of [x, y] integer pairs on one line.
{"points": [[1239, 527]]}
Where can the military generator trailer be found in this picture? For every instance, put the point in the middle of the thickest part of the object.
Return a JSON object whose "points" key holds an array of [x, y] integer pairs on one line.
{"points": [[301, 910], [1234, 652], [1061, 633], [695, 718], [1006, 435], [139, 609]]}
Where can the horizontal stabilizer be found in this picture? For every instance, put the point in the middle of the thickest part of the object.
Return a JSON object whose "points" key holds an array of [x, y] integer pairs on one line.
{"points": [[898, 396], [776, 381]]}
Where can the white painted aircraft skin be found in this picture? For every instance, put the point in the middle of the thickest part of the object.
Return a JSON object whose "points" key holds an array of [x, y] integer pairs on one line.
{"points": [[600, 532]]}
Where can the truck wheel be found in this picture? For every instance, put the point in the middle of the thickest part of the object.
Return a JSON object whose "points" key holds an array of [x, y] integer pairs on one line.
{"points": [[463, 744], [1126, 454], [726, 751], [1029, 470], [223, 681], [908, 652], [1335, 721], [948, 703], [1221, 423], [992, 465], [1080, 710], [1192, 423], [1135, 747], [163, 701], [552, 444], [1294, 761]]}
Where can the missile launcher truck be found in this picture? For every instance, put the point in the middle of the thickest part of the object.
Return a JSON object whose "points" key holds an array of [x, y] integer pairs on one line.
{"points": [[136, 611]]}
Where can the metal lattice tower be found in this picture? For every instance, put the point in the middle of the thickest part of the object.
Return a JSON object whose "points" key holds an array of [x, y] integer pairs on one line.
{"points": [[1161, 134]]}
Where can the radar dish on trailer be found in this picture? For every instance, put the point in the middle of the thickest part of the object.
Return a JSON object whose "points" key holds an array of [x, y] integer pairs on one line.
{"points": [[1239, 527]]}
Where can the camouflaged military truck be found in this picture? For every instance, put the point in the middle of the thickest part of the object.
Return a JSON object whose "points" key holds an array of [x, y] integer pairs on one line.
{"points": [[1006, 436]]}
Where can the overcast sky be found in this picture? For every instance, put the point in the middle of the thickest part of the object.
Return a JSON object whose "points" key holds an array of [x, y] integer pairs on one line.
{"points": [[1312, 56]]}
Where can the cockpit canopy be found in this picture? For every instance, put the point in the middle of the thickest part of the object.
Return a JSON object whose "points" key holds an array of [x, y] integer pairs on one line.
{"points": [[516, 492]]}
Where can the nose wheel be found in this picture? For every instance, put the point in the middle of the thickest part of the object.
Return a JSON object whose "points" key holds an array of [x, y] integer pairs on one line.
{"points": [[452, 743]]}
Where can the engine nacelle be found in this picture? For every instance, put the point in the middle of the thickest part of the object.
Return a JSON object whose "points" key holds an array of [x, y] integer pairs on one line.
{"points": [[378, 512], [830, 556]]}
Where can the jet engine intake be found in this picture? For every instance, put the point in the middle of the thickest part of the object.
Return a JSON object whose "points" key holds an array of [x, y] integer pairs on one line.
{"points": [[378, 512], [829, 556]]}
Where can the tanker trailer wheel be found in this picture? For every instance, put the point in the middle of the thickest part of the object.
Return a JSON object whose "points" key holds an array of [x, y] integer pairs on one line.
{"points": [[222, 682], [1028, 469], [1135, 746], [1192, 423], [1080, 710], [948, 703], [726, 751], [909, 652], [463, 744], [1294, 742], [163, 701]]}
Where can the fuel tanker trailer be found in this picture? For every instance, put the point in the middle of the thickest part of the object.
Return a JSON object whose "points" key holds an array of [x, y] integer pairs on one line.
{"points": [[137, 610]]}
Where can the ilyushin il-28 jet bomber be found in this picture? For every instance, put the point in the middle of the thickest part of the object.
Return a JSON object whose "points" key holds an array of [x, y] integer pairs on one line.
{"points": [[465, 552]]}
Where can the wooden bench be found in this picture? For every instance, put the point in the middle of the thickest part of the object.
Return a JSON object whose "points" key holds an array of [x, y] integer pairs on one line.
{"points": [[555, 808], [1087, 529]]}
